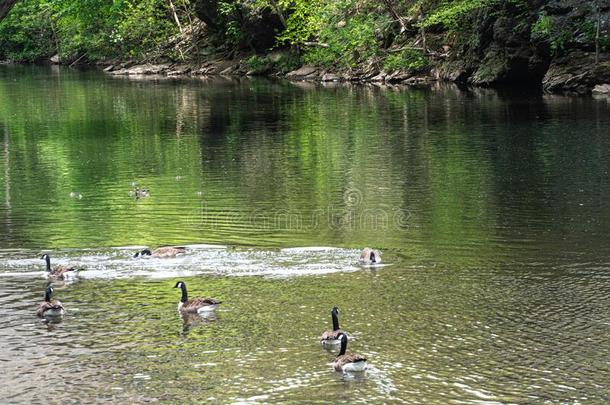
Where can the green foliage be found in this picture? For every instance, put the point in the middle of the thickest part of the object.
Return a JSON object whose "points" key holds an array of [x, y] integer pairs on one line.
{"points": [[543, 27], [37, 29], [144, 26], [26, 33], [280, 62], [258, 64], [452, 13], [412, 60], [349, 45], [230, 11], [304, 22]]}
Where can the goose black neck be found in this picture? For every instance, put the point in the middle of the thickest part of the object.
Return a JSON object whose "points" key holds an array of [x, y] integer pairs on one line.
{"points": [[343, 345], [373, 258], [48, 261], [184, 294], [47, 295], [335, 320]]}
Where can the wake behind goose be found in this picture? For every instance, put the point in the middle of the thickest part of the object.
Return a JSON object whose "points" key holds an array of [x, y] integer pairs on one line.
{"points": [[202, 259]]}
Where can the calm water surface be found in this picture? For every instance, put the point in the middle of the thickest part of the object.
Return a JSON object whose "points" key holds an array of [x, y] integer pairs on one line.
{"points": [[491, 211]]}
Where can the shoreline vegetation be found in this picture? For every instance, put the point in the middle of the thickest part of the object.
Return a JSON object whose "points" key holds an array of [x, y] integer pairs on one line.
{"points": [[555, 45]]}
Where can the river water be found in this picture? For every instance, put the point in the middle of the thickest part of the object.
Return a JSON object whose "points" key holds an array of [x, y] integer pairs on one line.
{"points": [[490, 210]]}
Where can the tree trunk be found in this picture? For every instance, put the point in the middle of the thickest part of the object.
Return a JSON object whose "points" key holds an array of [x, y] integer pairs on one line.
{"points": [[599, 20], [5, 7], [389, 5]]}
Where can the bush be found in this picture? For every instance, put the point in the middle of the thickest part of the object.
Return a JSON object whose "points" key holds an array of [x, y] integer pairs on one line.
{"points": [[279, 62], [26, 33], [412, 60], [349, 45], [36, 29]]}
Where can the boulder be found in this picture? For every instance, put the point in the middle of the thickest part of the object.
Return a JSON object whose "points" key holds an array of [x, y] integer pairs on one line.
{"points": [[302, 72], [576, 72], [602, 89], [330, 77]]}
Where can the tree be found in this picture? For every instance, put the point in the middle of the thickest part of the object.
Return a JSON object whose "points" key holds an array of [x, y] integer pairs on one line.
{"points": [[5, 7]]}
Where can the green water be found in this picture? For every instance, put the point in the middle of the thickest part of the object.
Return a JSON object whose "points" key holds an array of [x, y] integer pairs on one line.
{"points": [[490, 209]]}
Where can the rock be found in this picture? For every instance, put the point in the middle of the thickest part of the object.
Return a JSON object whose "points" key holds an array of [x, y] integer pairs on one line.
{"points": [[147, 69], [416, 80], [576, 72], [54, 59], [179, 70], [227, 71], [398, 77], [602, 88], [302, 72], [341, 24], [109, 68], [330, 77], [379, 78]]}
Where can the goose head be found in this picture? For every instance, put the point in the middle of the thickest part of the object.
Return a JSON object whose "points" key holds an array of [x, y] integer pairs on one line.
{"points": [[145, 252], [373, 258]]}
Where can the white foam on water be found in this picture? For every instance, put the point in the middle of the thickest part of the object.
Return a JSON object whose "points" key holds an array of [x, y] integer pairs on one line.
{"points": [[118, 262]]}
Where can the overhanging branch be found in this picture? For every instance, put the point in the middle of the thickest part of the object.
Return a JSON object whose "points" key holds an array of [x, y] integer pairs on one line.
{"points": [[5, 7]]}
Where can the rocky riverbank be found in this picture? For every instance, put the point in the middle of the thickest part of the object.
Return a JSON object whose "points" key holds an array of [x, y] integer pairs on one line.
{"points": [[574, 74], [239, 68], [561, 46]]}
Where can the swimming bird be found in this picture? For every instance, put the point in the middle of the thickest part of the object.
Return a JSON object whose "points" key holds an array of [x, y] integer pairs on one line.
{"points": [[162, 252], [138, 192], [331, 337], [48, 307], [370, 256], [194, 304], [58, 272], [141, 192], [348, 362]]}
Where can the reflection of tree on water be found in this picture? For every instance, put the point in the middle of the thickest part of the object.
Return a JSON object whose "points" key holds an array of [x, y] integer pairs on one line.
{"points": [[7, 185]]}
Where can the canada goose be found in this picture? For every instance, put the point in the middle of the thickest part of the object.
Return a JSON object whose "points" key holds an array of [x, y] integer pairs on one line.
{"points": [[58, 272], [138, 192], [141, 192], [162, 252], [370, 256], [48, 307], [331, 337], [194, 304], [348, 362]]}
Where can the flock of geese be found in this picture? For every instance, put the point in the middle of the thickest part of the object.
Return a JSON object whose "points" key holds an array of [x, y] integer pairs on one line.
{"points": [[344, 362]]}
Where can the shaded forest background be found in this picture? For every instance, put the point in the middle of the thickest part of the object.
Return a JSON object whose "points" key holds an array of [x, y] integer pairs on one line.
{"points": [[479, 41]]}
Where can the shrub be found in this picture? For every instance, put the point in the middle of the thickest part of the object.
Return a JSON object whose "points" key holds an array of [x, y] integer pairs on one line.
{"points": [[412, 60]]}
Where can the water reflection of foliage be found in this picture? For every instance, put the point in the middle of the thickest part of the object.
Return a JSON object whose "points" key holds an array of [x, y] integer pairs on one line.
{"points": [[273, 160]]}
